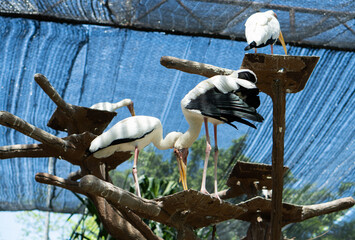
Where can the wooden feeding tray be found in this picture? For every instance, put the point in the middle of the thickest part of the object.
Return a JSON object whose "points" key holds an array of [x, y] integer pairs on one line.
{"points": [[80, 119], [250, 177], [74, 119], [293, 70]]}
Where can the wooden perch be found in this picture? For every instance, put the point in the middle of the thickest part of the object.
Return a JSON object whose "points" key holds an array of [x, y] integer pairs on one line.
{"points": [[202, 210], [326, 208], [9, 120], [50, 179], [249, 178], [188, 66], [73, 119], [109, 216], [72, 148], [43, 82], [116, 195], [291, 213], [23, 150]]}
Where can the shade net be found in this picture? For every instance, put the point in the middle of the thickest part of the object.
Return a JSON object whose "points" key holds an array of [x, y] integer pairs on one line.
{"points": [[316, 23], [90, 63]]}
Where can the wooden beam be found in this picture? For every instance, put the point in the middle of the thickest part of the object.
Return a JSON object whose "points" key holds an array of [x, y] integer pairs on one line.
{"points": [[279, 109]]}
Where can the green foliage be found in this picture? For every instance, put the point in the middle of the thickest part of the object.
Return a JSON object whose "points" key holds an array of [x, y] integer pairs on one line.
{"points": [[154, 188]]}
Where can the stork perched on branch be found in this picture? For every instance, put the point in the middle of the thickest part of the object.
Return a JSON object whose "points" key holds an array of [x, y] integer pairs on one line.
{"points": [[262, 29], [219, 99], [133, 134], [111, 107]]}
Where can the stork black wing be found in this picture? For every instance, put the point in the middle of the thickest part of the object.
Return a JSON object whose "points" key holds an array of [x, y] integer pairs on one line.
{"points": [[226, 107]]}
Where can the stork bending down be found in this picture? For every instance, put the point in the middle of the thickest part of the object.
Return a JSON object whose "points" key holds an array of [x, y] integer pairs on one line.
{"points": [[220, 99], [133, 134], [111, 107]]}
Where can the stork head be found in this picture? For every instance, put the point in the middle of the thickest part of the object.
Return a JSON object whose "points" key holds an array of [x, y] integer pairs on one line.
{"points": [[247, 75], [270, 12], [129, 103]]}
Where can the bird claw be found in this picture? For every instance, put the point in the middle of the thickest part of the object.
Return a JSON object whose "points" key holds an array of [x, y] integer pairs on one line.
{"points": [[204, 191], [216, 196]]}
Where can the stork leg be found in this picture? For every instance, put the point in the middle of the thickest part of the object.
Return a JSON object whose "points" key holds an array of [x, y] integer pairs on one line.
{"points": [[207, 156], [215, 157], [255, 50], [272, 49], [134, 171]]}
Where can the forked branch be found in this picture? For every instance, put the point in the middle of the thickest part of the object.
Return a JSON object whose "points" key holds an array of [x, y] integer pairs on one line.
{"points": [[9, 120]]}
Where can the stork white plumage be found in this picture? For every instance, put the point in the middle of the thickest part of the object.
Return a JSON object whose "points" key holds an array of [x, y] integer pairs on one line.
{"points": [[133, 134], [262, 29], [111, 107], [220, 99]]}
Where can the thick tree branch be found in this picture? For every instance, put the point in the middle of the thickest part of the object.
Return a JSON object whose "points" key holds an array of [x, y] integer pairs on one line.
{"points": [[138, 223], [326, 208], [114, 221], [116, 195], [23, 150], [230, 193], [188, 66], [50, 179], [43, 82], [9, 120], [76, 175]]}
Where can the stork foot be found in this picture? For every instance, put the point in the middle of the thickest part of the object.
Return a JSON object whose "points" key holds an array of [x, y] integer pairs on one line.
{"points": [[204, 191], [215, 195]]}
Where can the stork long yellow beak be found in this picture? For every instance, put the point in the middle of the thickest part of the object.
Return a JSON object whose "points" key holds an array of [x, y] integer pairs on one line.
{"points": [[182, 170], [181, 157], [281, 38]]}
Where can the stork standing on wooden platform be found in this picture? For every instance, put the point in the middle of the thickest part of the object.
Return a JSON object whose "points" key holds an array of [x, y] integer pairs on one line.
{"points": [[262, 29], [111, 107], [220, 99], [133, 134]]}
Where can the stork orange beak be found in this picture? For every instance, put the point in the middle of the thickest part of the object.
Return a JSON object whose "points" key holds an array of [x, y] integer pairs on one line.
{"points": [[181, 157], [131, 109], [281, 38]]}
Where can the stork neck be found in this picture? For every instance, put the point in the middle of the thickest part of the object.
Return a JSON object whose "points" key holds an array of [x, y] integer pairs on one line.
{"points": [[167, 142], [189, 137]]}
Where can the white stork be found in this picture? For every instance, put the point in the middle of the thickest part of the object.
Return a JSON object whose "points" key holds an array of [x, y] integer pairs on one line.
{"points": [[133, 134], [262, 29], [111, 107], [219, 99]]}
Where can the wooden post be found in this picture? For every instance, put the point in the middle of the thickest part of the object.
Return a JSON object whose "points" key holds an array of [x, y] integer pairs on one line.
{"points": [[279, 109], [278, 74]]}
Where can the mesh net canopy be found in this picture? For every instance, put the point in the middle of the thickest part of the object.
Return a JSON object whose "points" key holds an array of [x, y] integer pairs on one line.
{"points": [[314, 23]]}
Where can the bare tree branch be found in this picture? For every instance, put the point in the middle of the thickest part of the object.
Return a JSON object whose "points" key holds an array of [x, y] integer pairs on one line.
{"points": [[53, 94], [138, 223], [50, 179], [23, 150], [114, 221], [116, 195], [9, 120], [326, 208], [188, 66]]}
